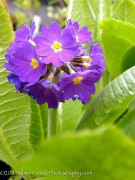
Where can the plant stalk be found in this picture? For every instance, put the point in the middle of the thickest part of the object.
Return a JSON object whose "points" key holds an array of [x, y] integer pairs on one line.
{"points": [[52, 122]]}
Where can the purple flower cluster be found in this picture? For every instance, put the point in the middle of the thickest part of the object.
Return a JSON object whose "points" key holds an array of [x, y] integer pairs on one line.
{"points": [[54, 66]]}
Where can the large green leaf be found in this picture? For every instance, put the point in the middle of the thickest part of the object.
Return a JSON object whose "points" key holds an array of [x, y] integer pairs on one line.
{"points": [[6, 32], [124, 10], [16, 110], [89, 13], [38, 126], [128, 59], [69, 115], [127, 124], [117, 37], [105, 153], [111, 102]]}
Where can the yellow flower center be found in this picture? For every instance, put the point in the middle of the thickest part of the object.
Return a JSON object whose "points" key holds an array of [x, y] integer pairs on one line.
{"points": [[77, 80], [34, 63], [56, 46]]}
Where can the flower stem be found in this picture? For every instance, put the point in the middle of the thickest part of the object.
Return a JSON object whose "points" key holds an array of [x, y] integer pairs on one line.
{"points": [[52, 122]]}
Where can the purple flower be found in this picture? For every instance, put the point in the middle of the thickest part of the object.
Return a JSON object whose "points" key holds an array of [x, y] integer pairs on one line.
{"points": [[97, 57], [79, 85], [83, 36], [55, 46], [25, 34], [45, 91], [25, 64], [22, 35], [11, 50], [35, 63], [82, 51], [13, 79]]}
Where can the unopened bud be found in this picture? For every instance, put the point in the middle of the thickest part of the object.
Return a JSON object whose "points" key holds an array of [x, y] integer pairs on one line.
{"points": [[81, 64], [86, 58], [86, 65], [81, 59], [68, 68]]}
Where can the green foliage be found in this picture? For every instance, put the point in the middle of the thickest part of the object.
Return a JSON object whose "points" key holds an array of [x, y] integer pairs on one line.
{"points": [[14, 108], [102, 152], [128, 59], [66, 1], [112, 101], [21, 18], [6, 33], [37, 5], [38, 126], [69, 115], [117, 37], [89, 13], [25, 4], [53, 2], [127, 124], [23, 14], [106, 151], [18, 117], [124, 10]]}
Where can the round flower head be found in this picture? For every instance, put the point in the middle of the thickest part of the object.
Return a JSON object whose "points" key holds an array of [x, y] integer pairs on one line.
{"points": [[79, 85], [83, 36], [56, 46], [36, 63], [26, 64], [45, 91]]}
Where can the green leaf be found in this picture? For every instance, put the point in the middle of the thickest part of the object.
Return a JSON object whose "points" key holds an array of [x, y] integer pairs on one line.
{"points": [[16, 110], [38, 126], [102, 153], [124, 10], [89, 13], [127, 124], [117, 37], [111, 102], [128, 59], [25, 5], [37, 4], [69, 115], [6, 33]]}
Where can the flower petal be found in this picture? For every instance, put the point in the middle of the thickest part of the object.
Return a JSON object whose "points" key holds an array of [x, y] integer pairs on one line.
{"points": [[68, 39], [95, 48], [52, 58], [46, 34], [42, 94], [98, 57], [84, 36], [28, 51], [13, 79], [22, 34], [55, 31], [76, 26], [67, 55], [85, 91], [43, 47]]}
